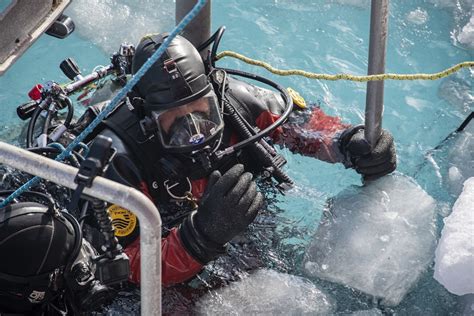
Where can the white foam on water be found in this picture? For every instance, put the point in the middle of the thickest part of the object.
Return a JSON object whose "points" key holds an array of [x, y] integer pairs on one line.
{"points": [[355, 3], [267, 292], [463, 33], [378, 238], [452, 3], [111, 22], [417, 103], [466, 35], [418, 16], [454, 261]]}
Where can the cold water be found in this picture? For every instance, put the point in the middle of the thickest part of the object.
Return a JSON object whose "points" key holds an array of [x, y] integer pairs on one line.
{"points": [[326, 36]]}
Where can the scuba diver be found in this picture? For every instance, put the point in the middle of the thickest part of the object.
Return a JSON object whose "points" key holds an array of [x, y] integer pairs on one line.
{"points": [[193, 138], [46, 267]]}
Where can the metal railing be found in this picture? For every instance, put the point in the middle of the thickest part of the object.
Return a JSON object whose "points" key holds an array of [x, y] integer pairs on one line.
{"points": [[113, 192]]}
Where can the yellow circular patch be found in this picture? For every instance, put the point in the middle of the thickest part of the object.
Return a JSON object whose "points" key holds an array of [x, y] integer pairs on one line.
{"points": [[123, 221], [297, 98]]}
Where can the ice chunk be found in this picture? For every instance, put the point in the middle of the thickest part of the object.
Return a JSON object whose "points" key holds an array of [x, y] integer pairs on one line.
{"points": [[378, 238], [461, 160], [458, 92], [454, 261], [467, 305], [267, 292]]}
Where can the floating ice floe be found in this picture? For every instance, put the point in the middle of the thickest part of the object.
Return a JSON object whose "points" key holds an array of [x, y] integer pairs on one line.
{"points": [[458, 92], [378, 238], [467, 305], [461, 160], [267, 292], [454, 261]]}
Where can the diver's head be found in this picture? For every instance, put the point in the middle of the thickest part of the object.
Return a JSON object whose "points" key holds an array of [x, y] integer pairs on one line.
{"points": [[35, 246], [179, 100], [45, 262]]}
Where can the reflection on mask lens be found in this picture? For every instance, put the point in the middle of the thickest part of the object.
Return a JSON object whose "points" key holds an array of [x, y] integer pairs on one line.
{"points": [[191, 129], [193, 124]]}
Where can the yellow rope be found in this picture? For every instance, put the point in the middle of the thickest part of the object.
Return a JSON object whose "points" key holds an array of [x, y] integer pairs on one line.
{"points": [[312, 75]]}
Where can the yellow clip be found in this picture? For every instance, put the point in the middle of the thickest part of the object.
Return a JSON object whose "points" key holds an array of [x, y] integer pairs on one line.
{"points": [[297, 98]]}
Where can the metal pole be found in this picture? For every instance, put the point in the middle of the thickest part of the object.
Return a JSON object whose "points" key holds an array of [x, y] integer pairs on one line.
{"points": [[199, 29], [113, 192], [374, 98]]}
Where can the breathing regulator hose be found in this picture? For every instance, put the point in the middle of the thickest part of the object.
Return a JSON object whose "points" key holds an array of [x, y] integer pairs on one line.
{"points": [[265, 132], [265, 154]]}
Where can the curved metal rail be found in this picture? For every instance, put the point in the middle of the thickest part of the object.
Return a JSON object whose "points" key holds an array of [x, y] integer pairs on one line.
{"points": [[113, 192]]}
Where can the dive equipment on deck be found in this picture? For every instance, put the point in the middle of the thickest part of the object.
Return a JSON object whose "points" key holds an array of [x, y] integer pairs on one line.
{"points": [[112, 266]]}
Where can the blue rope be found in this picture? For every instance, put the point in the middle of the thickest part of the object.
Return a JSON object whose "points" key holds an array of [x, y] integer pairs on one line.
{"points": [[117, 98]]}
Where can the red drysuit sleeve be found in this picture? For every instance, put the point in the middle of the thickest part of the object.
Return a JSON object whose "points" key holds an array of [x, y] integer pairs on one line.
{"points": [[177, 265], [310, 133]]}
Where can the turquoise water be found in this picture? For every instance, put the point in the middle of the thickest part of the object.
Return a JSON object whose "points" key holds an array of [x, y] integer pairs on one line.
{"points": [[319, 36]]}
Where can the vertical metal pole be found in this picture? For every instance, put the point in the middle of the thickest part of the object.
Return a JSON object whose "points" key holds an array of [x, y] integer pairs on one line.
{"points": [[374, 98], [199, 29]]}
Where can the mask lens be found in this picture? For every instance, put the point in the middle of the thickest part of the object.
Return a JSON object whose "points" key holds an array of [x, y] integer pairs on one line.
{"points": [[189, 125]]}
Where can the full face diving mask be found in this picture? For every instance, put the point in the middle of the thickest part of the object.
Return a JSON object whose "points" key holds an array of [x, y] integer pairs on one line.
{"points": [[189, 127]]}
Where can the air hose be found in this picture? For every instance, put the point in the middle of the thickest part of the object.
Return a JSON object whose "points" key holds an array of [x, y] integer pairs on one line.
{"points": [[270, 162], [265, 154], [265, 132], [31, 127], [111, 245], [36, 114]]}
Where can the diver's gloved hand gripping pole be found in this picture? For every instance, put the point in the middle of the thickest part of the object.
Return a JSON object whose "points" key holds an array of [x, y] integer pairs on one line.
{"points": [[372, 162]]}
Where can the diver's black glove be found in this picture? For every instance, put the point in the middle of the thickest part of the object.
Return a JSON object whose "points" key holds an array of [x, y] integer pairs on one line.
{"points": [[231, 202], [371, 164]]}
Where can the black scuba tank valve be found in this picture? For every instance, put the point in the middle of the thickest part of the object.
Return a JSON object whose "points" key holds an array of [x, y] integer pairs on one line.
{"points": [[26, 110], [70, 69]]}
